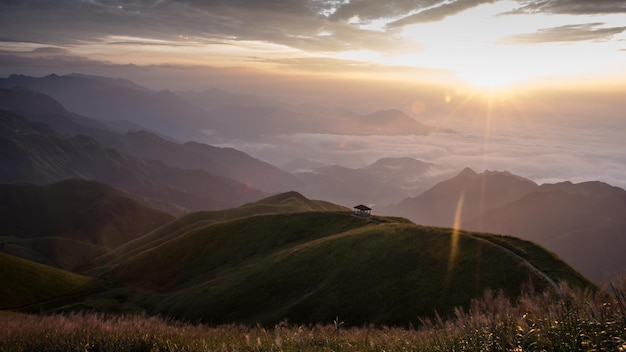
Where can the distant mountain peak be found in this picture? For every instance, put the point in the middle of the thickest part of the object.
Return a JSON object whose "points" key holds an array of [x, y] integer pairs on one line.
{"points": [[468, 172], [17, 75], [388, 113], [23, 99], [399, 161]]}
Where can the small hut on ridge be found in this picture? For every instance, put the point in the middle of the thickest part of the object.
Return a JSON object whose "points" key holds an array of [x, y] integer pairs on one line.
{"points": [[362, 211]]}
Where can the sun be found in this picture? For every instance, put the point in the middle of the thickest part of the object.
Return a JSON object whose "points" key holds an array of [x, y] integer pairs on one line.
{"points": [[493, 79]]}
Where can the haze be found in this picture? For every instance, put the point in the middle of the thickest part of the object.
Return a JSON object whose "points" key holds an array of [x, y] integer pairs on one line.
{"points": [[533, 87]]}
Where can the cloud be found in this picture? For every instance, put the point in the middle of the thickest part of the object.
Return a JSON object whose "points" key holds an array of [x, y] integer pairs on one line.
{"points": [[573, 7], [439, 12], [331, 65], [302, 24], [543, 154], [369, 10], [49, 57], [51, 50], [567, 33], [321, 25]]}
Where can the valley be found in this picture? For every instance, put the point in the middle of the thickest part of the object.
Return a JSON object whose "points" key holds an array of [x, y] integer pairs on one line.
{"points": [[101, 215]]}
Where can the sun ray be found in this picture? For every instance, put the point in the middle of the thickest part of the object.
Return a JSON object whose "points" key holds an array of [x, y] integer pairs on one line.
{"points": [[454, 244]]}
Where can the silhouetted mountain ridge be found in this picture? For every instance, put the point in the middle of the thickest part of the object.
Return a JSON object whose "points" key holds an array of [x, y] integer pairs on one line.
{"points": [[242, 117], [35, 153], [111, 99], [226, 162], [583, 223], [463, 197]]}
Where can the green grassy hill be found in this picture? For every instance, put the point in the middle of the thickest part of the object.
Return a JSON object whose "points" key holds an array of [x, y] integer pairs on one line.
{"points": [[69, 223], [288, 257], [55, 251], [23, 282], [288, 202], [81, 210], [313, 266]]}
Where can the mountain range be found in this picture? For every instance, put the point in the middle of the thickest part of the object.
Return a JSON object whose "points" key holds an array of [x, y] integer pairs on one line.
{"points": [[108, 99], [384, 181], [284, 257], [225, 162], [33, 152], [162, 264], [225, 115], [583, 223]]}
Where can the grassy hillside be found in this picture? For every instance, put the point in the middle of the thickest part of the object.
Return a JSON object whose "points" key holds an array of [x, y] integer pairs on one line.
{"points": [[69, 223], [288, 202], [288, 257], [204, 253], [314, 266], [586, 231], [24, 282], [79, 210], [56, 251]]}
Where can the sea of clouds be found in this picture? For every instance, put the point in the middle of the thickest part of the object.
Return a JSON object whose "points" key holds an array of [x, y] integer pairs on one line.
{"points": [[544, 153]]}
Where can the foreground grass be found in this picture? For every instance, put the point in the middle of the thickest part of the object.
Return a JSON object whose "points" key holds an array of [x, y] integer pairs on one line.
{"points": [[25, 282], [574, 321]]}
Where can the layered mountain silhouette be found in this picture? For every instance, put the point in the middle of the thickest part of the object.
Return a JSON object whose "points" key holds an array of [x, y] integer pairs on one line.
{"points": [[583, 223], [464, 196], [244, 121], [235, 116], [289, 257], [110, 99], [226, 162], [382, 182], [234, 257], [33, 152]]}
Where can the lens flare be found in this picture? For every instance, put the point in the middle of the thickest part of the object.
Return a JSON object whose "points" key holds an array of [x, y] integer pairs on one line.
{"points": [[454, 244]]}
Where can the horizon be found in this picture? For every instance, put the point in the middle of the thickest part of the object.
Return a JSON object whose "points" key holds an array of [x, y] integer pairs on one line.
{"points": [[532, 87], [484, 45], [196, 160]]}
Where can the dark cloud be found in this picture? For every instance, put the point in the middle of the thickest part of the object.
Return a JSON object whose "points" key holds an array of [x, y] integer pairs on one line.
{"points": [[304, 24], [574, 7], [368, 10], [49, 57], [567, 33], [440, 12], [50, 51], [327, 25]]}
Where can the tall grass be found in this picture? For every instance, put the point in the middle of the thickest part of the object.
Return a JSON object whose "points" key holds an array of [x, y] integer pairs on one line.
{"points": [[575, 320]]}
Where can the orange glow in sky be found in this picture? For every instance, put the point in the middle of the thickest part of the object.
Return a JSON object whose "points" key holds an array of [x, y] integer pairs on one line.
{"points": [[484, 44]]}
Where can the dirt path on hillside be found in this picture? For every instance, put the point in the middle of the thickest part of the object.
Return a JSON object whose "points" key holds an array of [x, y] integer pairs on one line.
{"points": [[553, 283]]}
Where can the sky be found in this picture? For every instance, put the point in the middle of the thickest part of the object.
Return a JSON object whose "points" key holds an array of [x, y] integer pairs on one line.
{"points": [[480, 43], [492, 70]]}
